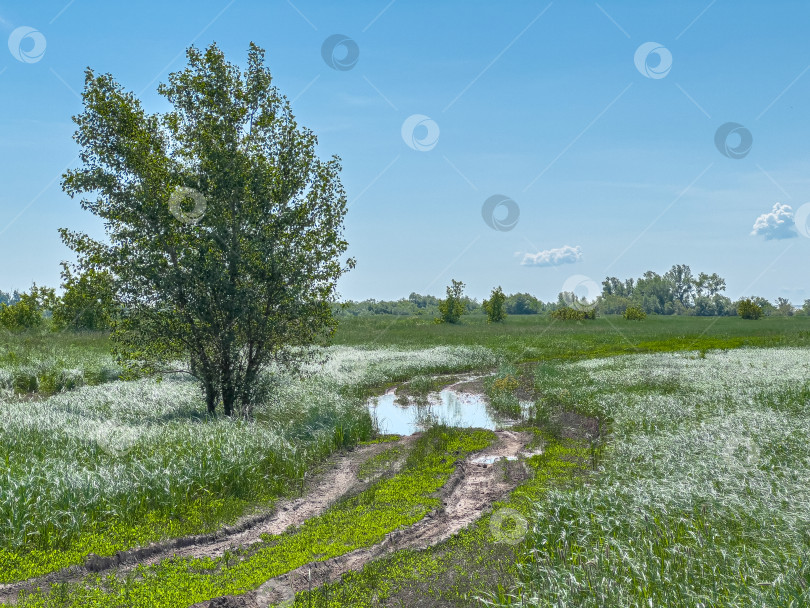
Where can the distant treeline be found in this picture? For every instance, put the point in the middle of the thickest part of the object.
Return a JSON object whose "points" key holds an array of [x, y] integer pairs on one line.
{"points": [[423, 305], [677, 292], [87, 301]]}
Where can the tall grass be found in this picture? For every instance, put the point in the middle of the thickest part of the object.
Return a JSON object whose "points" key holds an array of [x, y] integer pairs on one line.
{"points": [[46, 363], [702, 498], [102, 468], [360, 369]]}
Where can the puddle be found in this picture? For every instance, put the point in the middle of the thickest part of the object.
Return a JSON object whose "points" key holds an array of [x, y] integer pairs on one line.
{"points": [[447, 406], [486, 461]]}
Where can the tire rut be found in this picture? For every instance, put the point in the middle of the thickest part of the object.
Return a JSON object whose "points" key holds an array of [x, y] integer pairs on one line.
{"points": [[468, 494], [339, 478]]}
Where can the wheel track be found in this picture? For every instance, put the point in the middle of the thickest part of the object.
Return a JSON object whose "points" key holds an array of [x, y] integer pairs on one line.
{"points": [[339, 478], [468, 494]]}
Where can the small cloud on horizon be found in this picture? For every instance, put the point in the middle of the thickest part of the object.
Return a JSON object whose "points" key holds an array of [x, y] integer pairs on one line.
{"points": [[553, 257], [778, 223]]}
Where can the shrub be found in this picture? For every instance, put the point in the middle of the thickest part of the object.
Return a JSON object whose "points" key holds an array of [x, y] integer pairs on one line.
{"points": [[634, 313], [29, 309], [570, 314], [22, 315], [87, 303], [747, 309], [522, 304], [494, 307], [453, 307]]}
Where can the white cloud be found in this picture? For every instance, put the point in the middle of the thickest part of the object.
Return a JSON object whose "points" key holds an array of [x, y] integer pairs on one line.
{"points": [[776, 224], [553, 257]]}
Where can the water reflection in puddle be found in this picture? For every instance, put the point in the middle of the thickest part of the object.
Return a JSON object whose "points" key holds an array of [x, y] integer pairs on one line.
{"points": [[448, 406]]}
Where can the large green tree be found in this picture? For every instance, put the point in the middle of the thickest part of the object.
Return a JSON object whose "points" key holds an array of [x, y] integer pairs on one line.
{"points": [[224, 229]]}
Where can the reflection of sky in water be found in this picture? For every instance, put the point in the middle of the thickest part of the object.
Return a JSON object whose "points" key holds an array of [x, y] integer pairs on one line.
{"points": [[449, 407]]}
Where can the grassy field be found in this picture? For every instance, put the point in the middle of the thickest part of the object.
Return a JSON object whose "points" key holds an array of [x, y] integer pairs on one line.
{"points": [[538, 338], [701, 497], [104, 468], [47, 362], [695, 494]]}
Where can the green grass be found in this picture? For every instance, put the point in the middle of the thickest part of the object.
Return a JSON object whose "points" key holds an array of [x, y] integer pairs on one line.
{"points": [[458, 571], [67, 491], [701, 499], [535, 337], [104, 468], [46, 362], [360, 521], [381, 463]]}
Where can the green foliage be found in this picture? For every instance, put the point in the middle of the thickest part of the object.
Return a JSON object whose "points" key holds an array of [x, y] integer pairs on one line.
{"points": [[523, 304], [783, 308], [655, 294], [633, 313], [501, 391], [452, 307], [678, 291], [9, 298], [415, 305], [29, 309], [613, 304], [748, 309], [494, 307], [768, 309], [567, 313], [22, 315], [224, 229], [712, 306], [87, 303], [612, 286], [44, 362]]}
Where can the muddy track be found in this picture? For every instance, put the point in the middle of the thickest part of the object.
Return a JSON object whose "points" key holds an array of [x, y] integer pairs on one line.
{"points": [[467, 495], [338, 478]]}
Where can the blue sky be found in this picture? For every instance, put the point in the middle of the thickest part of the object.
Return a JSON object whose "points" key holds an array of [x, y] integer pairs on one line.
{"points": [[611, 162]]}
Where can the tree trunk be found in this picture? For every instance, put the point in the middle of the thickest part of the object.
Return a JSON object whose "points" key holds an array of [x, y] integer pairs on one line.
{"points": [[227, 402], [211, 398], [228, 391]]}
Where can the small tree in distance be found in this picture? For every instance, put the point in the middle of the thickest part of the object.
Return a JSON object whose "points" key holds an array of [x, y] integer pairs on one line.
{"points": [[784, 308], [28, 310], [747, 309], [87, 303], [634, 313], [494, 307], [452, 307]]}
